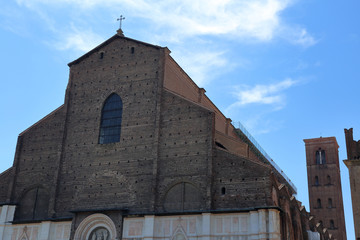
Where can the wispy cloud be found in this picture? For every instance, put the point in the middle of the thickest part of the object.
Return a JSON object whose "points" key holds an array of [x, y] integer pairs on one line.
{"points": [[299, 36], [177, 21], [260, 123], [78, 40], [241, 19], [259, 102], [262, 94], [200, 65]]}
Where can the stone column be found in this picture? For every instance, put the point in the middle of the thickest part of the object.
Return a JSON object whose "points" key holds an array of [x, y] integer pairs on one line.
{"points": [[149, 227], [274, 224], [206, 226], [6, 215], [262, 224], [254, 225], [44, 232]]}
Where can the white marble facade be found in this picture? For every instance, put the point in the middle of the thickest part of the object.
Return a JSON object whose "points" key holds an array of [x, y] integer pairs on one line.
{"points": [[33, 231], [261, 224]]}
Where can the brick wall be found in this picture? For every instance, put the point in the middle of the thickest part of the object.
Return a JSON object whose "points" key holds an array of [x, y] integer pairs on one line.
{"points": [[239, 182], [37, 156], [117, 174]]}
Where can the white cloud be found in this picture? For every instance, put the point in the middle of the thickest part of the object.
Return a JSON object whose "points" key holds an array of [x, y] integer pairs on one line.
{"points": [[254, 105], [177, 21], [241, 19], [200, 65], [299, 36], [260, 123], [262, 94], [78, 40]]}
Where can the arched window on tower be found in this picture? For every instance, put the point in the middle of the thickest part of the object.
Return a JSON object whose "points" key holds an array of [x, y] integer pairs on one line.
{"points": [[330, 203], [319, 203], [111, 116], [332, 224], [316, 181], [328, 180], [320, 156]]}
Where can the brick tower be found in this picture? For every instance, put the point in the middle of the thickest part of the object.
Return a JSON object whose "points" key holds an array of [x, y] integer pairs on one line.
{"points": [[353, 164], [324, 184]]}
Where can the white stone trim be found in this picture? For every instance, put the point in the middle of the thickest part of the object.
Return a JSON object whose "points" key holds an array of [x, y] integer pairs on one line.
{"points": [[253, 225]]}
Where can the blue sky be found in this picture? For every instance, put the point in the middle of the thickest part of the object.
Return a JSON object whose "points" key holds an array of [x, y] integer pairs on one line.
{"points": [[286, 69]]}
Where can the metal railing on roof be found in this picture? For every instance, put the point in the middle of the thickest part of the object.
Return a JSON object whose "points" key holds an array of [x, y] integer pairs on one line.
{"points": [[262, 151]]}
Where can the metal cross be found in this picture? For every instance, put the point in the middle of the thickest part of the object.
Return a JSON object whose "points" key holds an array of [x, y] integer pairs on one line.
{"points": [[120, 19]]}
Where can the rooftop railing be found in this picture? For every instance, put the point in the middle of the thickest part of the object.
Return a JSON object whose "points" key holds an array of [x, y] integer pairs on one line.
{"points": [[262, 151]]}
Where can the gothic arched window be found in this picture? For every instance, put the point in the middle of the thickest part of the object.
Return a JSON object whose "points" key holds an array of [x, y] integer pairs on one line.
{"points": [[318, 203], [316, 181], [332, 224], [330, 204], [111, 115], [328, 179], [320, 157]]}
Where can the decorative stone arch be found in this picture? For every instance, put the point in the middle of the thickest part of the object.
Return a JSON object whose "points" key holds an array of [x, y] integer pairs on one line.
{"points": [[95, 222]]}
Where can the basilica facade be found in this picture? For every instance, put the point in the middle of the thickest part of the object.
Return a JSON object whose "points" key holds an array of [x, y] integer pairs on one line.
{"points": [[138, 151]]}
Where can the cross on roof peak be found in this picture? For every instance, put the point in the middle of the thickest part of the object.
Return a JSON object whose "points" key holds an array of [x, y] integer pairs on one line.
{"points": [[120, 19], [120, 31]]}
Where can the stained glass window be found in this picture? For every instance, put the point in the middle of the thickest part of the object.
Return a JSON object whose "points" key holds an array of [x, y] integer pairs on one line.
{"points": [[111, 116]]}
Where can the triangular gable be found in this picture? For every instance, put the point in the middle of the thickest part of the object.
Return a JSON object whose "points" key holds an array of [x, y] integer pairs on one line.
{"points": [[24, 235], [113, 38]]}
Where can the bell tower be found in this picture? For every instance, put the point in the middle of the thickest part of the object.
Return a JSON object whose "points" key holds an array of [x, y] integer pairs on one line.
{"points": [[324, 184], [353, 164]]}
